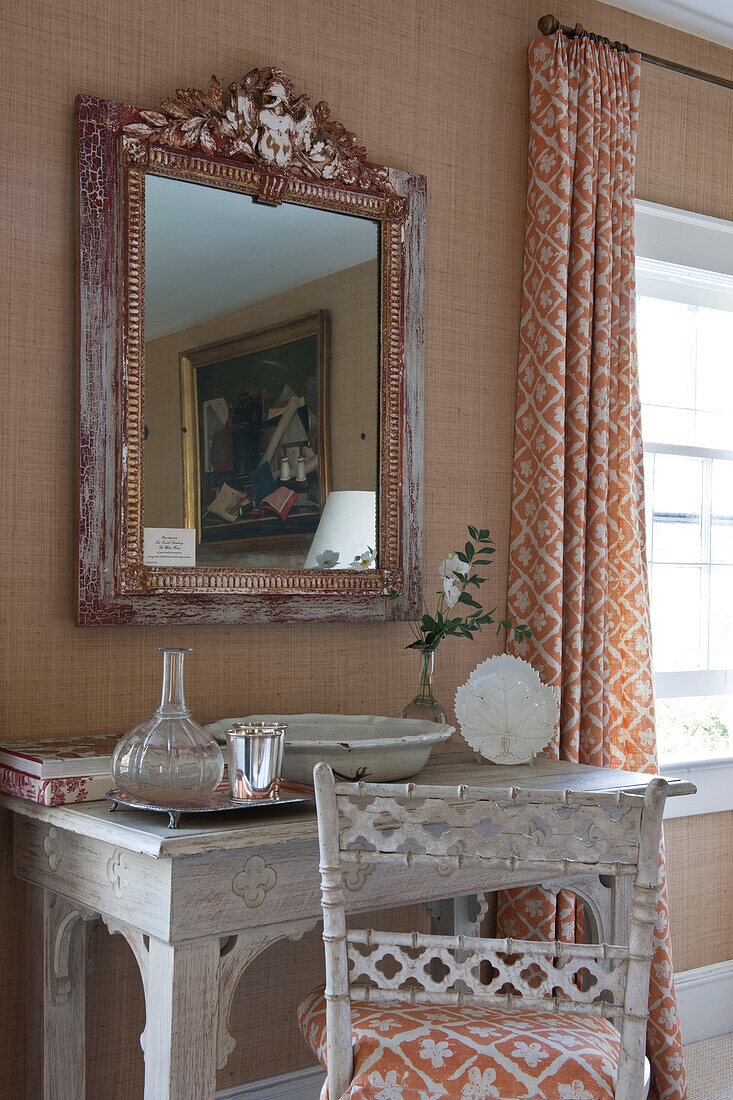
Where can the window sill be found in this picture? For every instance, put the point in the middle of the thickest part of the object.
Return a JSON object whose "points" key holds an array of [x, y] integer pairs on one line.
{"points": [[713, 777]]}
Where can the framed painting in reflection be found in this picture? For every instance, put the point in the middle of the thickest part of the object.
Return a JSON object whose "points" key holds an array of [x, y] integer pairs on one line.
{"points": [[255, 433]]}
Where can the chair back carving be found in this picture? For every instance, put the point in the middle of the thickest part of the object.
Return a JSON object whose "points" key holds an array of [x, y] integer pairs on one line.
{"points": [[515, 831]]}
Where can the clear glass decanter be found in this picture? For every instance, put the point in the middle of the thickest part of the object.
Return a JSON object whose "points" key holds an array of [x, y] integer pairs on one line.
{"points": [[169, 760]]}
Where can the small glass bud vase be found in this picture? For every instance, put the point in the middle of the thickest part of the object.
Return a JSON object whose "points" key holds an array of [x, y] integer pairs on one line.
{"points": [[425, 705], [169, 760]]}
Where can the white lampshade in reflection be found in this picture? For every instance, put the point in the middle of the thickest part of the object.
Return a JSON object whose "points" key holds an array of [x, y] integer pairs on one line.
{"points": [[348, 527]]}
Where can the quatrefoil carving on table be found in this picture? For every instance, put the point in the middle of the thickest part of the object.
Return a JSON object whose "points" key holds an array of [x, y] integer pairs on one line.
{"points": [[254, 883], [117, 872], [52, 848]]}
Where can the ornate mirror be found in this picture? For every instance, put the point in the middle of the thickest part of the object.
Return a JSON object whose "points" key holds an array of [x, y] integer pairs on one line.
{"points": [[250, 362]]}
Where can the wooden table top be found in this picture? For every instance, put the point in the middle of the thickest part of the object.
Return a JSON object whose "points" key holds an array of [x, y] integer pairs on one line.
{"points": [[148, 833]]}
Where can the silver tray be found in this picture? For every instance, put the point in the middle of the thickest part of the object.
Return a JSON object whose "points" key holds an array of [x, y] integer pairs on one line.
{"points": [[220, 801]]}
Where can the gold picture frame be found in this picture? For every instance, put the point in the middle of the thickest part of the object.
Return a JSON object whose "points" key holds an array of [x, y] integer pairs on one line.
{"points": [[233, 366]]}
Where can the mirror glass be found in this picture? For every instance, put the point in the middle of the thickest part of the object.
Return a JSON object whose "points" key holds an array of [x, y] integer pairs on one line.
{"points": [[261, 385]]}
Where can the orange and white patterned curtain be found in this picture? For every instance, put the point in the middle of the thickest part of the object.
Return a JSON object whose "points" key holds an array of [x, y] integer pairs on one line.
{"points": [[577, 569]]}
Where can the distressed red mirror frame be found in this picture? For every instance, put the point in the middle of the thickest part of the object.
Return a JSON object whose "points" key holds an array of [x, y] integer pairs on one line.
{"points": [[212, 138]]}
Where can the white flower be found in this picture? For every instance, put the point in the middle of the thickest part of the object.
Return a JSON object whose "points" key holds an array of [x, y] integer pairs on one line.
{"points": [[531, 1053], [480, 1085], [452, 564], [362, 561], [328, 559], [574, 1091], [435, 1052], [451, 591], [387, 1087]]}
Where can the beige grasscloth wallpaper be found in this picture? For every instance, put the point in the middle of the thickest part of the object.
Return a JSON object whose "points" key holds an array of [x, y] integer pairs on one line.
{"points": [[427, 85]]}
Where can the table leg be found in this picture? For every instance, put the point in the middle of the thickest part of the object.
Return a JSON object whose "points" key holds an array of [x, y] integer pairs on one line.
{"points": [[181, 997], [236, 954], [459, 916], [56, 970]]}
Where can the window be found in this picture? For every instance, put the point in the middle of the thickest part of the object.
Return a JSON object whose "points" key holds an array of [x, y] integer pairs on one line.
{"points": [[685, 334]]}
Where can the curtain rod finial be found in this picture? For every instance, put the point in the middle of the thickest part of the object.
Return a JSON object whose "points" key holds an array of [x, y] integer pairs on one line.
{"points": [[548, 24]]}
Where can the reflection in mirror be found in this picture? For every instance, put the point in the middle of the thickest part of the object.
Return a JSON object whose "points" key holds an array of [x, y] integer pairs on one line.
{"points": [[261, 378]]}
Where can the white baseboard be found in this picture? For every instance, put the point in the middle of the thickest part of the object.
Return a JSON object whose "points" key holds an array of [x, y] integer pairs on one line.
{"points": [[302, 1084], [705, 1001], [704, 998]]}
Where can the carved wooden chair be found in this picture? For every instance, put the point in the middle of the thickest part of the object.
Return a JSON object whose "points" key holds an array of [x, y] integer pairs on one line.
{"points": [[407, 1016]]}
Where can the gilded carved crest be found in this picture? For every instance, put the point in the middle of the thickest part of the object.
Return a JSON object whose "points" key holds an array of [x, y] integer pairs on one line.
{"points": [[261, 121]]}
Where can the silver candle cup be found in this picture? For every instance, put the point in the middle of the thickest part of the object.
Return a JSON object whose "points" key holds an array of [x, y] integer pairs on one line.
{"points": [[255, 756]]}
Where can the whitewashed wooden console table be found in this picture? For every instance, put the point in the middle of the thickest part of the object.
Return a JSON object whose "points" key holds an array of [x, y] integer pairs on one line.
{"points": [[198, 904]]}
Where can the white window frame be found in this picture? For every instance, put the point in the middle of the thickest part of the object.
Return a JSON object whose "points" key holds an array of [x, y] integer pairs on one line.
{"points": [[708, 681], [679, 247]]}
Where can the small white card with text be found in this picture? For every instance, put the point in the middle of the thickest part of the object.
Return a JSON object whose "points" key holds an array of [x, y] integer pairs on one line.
{"points": [[169, 546]]}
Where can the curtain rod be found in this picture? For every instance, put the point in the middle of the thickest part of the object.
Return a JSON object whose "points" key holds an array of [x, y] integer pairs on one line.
{"points": [[549, 24]]}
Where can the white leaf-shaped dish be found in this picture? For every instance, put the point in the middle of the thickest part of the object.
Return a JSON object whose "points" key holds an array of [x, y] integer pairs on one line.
{"points": [[505, 711]]}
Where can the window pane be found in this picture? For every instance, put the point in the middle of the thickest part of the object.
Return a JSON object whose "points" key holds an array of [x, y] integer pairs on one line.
{"points": [[715, 360], [677, 503], [666, 337], [721, 535], [721, 616], [663, 425], [675, 601], [713, 429], [696, 726], [649, 457], [686, 389]]}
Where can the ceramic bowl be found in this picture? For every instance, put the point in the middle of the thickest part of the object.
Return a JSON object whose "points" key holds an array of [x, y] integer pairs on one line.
{"points": [[357, 746]]}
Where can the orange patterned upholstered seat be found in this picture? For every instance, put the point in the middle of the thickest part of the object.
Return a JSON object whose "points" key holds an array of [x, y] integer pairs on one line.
{"points": [[417, 1052], [432, 1015]]}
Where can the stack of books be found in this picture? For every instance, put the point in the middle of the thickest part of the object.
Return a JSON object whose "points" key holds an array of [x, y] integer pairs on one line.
{"points": [[56, 771]]}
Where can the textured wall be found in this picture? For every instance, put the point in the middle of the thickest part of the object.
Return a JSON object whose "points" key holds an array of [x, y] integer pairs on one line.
{"points": [[700, 874], [429, 86]]}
